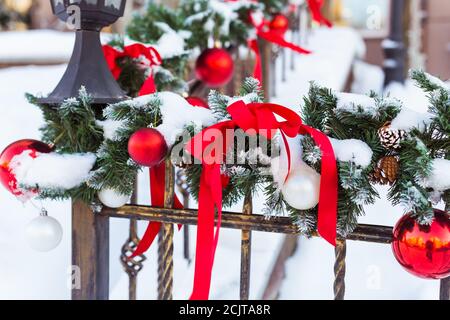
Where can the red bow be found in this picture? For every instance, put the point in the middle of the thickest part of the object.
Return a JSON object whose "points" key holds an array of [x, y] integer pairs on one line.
{"points": [[149, 58], [315, 6], [271, 36], [260, 117]]}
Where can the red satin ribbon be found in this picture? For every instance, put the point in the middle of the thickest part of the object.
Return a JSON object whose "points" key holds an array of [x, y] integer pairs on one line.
{"points": [[157, 189], [135, 51], [271, 36], [259, 117], [315, 6]]}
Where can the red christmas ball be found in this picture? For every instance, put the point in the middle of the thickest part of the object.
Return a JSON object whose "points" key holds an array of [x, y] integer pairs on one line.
{"points": [[147, 147], [214, 67], [197, 102], [424, 250], [7, 177], [279, 24]]}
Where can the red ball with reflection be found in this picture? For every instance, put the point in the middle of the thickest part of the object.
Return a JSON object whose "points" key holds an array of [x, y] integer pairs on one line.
{"points": [[147, 147], [197, 102], [424, 250], [279, 24], [214, 67], [7, 178]]}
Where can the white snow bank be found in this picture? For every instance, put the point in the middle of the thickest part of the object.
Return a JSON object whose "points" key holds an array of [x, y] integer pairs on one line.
{"points": [[353, 150], [367, 77], [20, 47], [52, 170]]}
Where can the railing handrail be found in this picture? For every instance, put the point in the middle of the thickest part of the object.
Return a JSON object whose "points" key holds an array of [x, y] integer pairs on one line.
{"points": [[235, 220]]}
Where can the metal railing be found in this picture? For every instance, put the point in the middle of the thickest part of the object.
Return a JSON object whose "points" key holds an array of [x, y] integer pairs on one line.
{"points": [[96, 268]]}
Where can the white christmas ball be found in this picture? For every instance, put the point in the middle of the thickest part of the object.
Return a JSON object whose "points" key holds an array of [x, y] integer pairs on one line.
{"points": [[113, 199], [301, 190], [43, 233]]}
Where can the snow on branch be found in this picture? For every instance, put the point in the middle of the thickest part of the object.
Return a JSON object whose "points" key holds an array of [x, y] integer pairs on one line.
{"points": [[356, 103], [52, 170], [439, 179], [352, 150]]}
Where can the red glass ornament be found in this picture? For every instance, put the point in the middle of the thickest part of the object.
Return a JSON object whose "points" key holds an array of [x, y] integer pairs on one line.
{"points": [[7, 178], [424, 250], [197, 102], [147, 147], [279, 24], [214, 67]]}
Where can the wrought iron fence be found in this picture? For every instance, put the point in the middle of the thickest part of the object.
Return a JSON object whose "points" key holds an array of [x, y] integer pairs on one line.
{"points": [[92, 254]]}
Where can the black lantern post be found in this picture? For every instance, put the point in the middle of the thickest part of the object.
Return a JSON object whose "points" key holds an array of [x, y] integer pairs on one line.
{"points": [[87, 66]]}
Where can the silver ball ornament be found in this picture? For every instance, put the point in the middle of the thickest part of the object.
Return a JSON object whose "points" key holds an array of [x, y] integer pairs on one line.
{"points": [[301, 190], [113, 199], [44, 233]]}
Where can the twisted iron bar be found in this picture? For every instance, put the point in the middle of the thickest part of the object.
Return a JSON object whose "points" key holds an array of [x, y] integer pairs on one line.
{"points": [[132, 266], [339, 270], [165, 240], [246, 251]]}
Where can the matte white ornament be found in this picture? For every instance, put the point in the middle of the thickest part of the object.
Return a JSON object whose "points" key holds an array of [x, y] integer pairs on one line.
{"points": [[301, 190], [113, 199], [44, 233]]}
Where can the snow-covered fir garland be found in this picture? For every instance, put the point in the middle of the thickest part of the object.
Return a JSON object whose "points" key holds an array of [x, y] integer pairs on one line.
{"points": [[90, 149]]}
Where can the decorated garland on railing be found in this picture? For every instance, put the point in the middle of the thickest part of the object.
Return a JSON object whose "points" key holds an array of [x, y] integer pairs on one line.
{"points": [[95, 157]]}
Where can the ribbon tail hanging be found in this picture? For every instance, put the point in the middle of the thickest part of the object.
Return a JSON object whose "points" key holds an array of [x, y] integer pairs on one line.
{"points": [[328, 194], [148, 87], [210, 199]]}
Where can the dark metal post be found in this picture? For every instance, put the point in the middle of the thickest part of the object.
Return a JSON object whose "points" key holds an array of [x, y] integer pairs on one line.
{"points": [[394, 48], [266, 50], [90, 253], [444, 293]]}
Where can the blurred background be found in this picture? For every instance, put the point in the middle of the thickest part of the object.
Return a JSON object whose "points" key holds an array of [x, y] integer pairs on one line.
{"points": [[426, 26]]}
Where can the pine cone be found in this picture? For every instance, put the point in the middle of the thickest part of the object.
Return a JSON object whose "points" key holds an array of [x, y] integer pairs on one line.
{"points": [[390, 138], [386, 171]]}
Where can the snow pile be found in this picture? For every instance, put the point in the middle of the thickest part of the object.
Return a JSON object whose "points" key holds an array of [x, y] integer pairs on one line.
{"points": [[352, 102], [439, 179], [409, 94], [177, 113], [408, 119], [353, 150], [171, 43], [52, 170], [110, 128]]}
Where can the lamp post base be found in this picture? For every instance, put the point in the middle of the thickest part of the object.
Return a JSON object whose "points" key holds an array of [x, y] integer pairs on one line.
{"points": [[87, 68]]}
